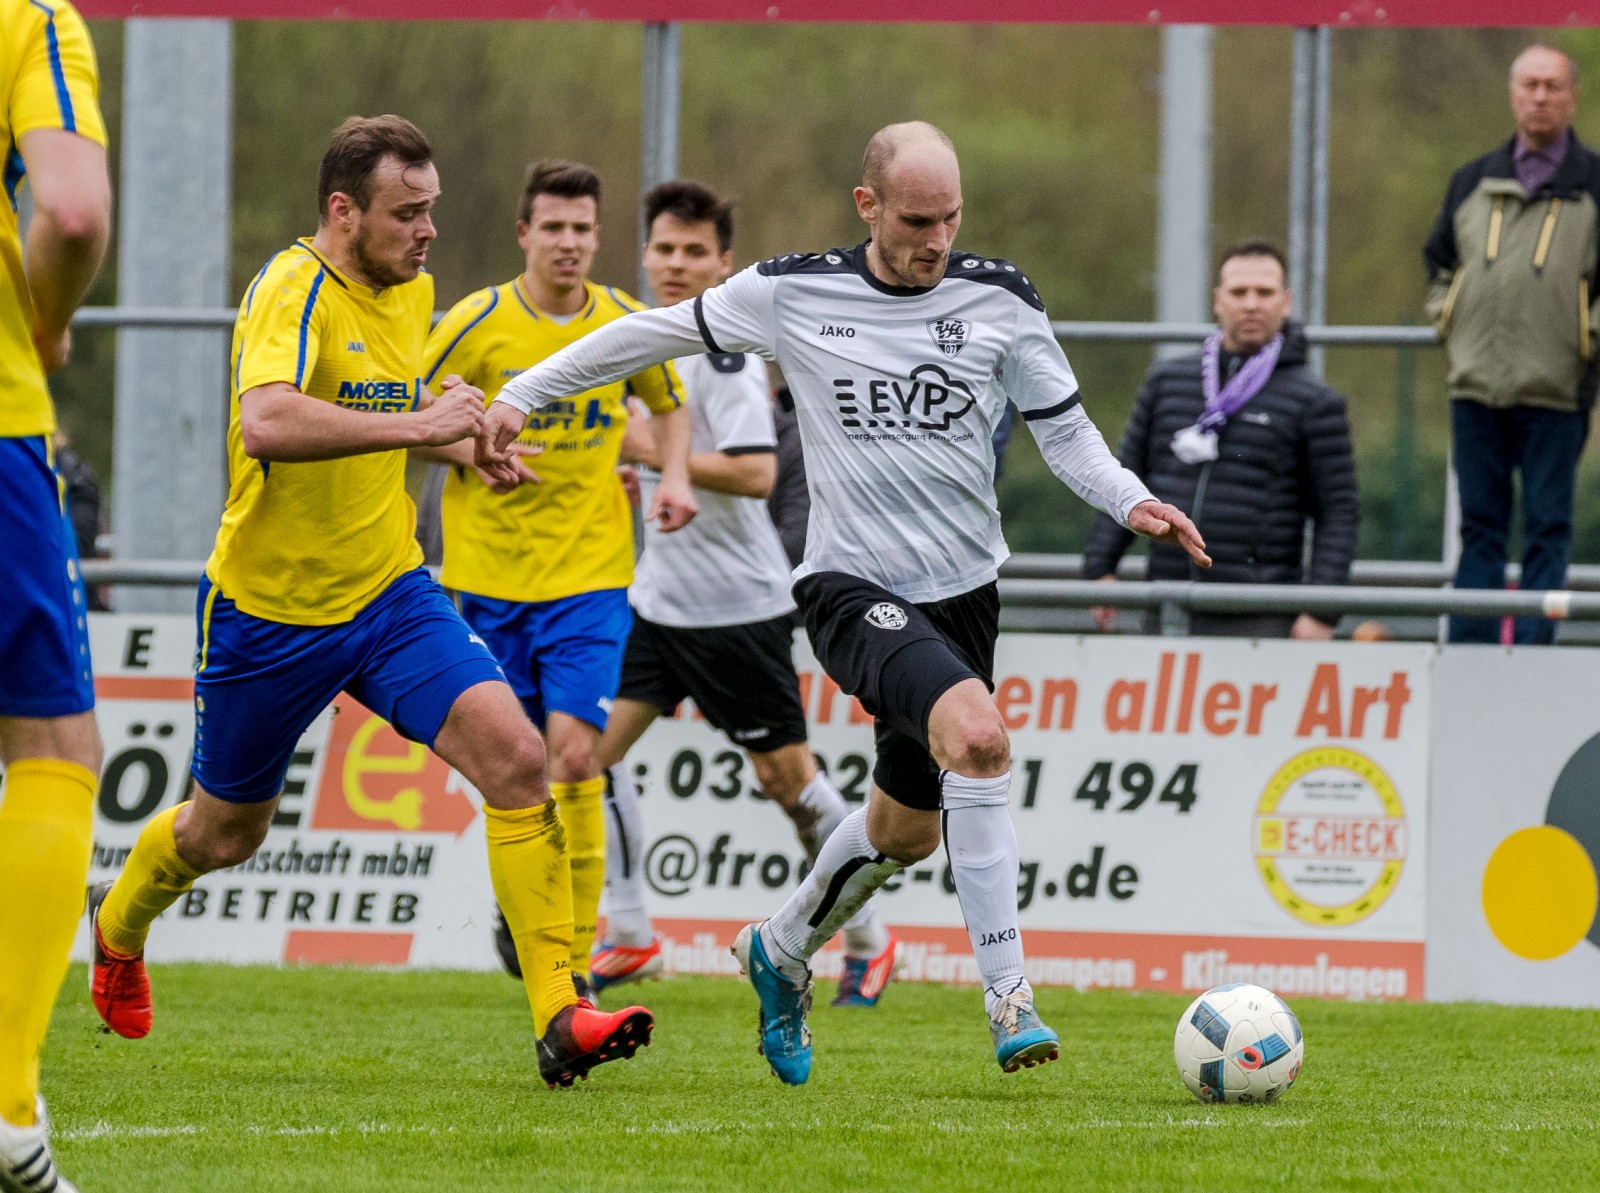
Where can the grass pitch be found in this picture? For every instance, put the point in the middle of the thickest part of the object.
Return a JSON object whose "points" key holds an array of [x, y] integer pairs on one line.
{"points": [[319, 1079]]}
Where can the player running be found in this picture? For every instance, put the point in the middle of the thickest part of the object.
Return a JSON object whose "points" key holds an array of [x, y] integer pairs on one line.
{"points": [[316, 587], [711, 603], [49, 744], [543, 572], [900, 354]]}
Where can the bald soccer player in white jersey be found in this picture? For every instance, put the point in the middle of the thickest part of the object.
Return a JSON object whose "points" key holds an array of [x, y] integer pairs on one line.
{"points": [[900, 354], [712, 612]]}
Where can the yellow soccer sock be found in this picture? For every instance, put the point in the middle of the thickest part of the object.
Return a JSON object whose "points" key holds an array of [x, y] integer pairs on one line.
{"points": [[532, 884], [583, 815], [151, 881], [46, 833]]}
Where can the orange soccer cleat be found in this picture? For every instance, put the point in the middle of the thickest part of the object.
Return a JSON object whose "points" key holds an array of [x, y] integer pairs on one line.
{"points": [[120, 986]]}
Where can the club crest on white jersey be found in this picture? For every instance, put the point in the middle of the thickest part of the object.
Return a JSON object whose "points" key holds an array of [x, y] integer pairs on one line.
{"points": [[949, 335], [887, 616]]}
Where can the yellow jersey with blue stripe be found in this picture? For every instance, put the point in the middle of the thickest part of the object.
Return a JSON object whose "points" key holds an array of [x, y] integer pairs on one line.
{"points": [[573, 532], [313, 542], [49, 79]]}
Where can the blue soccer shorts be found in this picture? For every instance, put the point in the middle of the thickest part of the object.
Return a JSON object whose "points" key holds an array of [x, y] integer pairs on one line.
{"points": [[44, 617], [259, 684], [563, 655]]}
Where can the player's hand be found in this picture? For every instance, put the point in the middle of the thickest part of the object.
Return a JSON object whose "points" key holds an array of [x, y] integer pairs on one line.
{"points": [[1164, 523], [54, 350], [513, 474], [1308, 629], [454, 413], [502, 423], [674, 506], [1105, 616], [639, 443], [630, 484]]}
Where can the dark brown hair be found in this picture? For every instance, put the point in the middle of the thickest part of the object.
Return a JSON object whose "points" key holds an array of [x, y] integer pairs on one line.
{"points": [[1254, 248], [564, 180], [693, 203], [357, 148]]}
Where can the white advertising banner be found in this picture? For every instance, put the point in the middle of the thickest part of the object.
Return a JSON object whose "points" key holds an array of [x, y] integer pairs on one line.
{"points": [[1189, 813], [1516, 826]]}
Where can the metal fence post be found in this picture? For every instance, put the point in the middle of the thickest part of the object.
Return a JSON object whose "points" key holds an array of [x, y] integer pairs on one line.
{"points": [[659, 102], [170, 463], [1183, 235]]}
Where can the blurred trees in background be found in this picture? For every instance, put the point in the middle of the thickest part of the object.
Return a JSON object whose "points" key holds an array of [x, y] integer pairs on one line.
{"points": [[1057, 130]]}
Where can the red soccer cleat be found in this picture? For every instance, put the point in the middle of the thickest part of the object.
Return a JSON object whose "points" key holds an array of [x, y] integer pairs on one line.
{"points": [[613, 964], [120, 986], [580, 1037]]}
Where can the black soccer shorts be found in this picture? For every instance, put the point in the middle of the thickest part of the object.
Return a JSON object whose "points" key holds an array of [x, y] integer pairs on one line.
{"points": [[741, 677], [898, 658]]}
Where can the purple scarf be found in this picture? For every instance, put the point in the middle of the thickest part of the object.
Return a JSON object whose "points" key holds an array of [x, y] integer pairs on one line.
{"points": [[1224, 401], [1197, 444]]}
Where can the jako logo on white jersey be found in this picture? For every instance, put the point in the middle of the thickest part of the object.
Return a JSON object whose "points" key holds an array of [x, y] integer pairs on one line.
{"points": [[930, 400], [886, 616]]}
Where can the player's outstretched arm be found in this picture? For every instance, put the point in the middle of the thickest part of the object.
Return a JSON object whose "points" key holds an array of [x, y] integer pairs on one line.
{"points": [[68, 234], [277, 422], [622, 348], [1163, 523]]}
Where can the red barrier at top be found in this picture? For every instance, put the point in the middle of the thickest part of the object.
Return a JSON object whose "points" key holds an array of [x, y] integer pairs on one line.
{"points": [[1416, 13]]}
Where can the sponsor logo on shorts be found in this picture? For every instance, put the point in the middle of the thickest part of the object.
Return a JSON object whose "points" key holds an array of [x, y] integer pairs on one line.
{"points": [[887, 616], [747, 735], [605, 705]]}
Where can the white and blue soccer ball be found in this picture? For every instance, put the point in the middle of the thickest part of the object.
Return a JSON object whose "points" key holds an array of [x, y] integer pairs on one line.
{"points": [[1239, 1043]]}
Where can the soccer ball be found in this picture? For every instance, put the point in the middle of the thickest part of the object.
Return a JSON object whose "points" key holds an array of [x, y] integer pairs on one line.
{"points": [[1238, 1044]]}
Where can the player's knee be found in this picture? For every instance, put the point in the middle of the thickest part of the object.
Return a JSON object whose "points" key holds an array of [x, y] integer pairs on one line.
{"points": [[980, 747], [573, 760], [779, 783], [516, 770]]}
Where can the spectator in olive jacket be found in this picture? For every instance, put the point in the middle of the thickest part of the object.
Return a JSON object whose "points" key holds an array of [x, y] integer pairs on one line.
{"points": [[1512, 266]]}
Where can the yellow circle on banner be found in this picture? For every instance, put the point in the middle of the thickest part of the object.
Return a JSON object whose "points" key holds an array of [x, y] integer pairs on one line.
{"points": [[1268, 828], [1540, 893]]}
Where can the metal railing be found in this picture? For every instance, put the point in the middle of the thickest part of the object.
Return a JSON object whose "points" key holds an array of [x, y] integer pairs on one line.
{"points": [[1057, 592], [1075, 331], [1365, 573]]}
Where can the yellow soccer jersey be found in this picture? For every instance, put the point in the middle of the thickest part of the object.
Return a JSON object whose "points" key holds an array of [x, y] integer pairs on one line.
{"points": [[312, 543], [573, 532], [47, 73]]}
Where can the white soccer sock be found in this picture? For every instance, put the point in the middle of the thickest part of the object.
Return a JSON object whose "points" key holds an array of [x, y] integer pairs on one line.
{"points": [[847, 872], [982, 844], [822, 809], [627, 921]]}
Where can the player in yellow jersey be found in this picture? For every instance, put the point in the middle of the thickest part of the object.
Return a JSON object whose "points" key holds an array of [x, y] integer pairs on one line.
{"points": [[543, 571], [316, 586], [49, 746]]}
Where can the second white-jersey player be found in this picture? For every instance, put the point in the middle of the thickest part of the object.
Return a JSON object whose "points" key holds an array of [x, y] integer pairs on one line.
{"points": [[713, 617], [900, 354]]}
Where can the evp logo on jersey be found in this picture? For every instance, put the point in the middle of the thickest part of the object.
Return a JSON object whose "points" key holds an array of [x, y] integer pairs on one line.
{"points": [[930, 400], [379, 397], [949, 335]]}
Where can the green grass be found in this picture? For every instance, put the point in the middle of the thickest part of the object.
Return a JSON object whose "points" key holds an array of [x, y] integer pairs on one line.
{"points": [[302, 1079]]}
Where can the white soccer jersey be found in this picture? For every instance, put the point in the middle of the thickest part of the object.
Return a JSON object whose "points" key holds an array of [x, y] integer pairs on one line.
{"points": [[727, 567], [896, 390]]}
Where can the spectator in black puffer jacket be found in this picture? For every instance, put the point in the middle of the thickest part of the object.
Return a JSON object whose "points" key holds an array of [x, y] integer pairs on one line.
{"points": [[1269, 452]]}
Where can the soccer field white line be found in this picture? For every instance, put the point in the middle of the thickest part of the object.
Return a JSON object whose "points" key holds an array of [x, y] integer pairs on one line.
{"points": [[1253, 1121]]}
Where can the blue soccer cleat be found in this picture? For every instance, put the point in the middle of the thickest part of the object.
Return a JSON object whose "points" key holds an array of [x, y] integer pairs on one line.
{"points": [[785, 1039], [1021, 1040]]}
